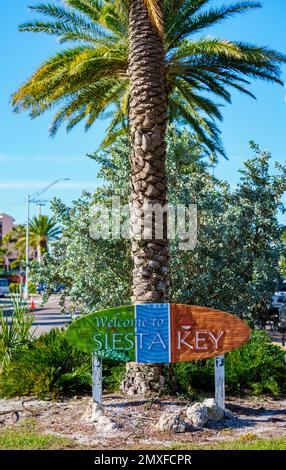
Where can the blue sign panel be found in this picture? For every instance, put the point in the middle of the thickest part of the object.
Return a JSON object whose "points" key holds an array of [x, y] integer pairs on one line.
{"points": [[152, 333]]}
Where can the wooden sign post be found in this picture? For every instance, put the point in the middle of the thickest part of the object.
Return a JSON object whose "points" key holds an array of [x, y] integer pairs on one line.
{"points": [[219, 381], [96, 379]]}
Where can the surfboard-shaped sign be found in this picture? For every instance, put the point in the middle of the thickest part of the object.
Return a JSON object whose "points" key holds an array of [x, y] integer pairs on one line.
{"points": [[158, 333]]}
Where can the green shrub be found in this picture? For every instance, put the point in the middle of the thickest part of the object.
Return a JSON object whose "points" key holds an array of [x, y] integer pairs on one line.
{"points": [[14, 287], [112, 375], [257, 367], [32, 288], [193, 377], [50, 367]]}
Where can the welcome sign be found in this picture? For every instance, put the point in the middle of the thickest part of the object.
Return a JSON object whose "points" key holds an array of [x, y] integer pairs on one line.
{"points": [[158, 333]]}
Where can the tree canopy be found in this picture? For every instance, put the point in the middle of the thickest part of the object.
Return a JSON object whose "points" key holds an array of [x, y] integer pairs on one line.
{"points": [[88, 78], [235, 265]]}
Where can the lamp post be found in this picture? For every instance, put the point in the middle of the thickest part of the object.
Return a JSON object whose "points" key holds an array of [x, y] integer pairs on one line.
{"points": [[29, 200]]}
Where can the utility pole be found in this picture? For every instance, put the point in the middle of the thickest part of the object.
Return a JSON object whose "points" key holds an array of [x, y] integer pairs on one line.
{"points": [[32, 199], [26, 290], [40, 204]]}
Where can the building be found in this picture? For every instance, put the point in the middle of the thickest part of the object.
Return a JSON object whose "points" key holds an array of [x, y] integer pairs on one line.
{"points": [[6, 224], [11, 257]]}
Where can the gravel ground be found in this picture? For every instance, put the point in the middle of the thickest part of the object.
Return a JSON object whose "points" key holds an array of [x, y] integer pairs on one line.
{"points": [[262, 417]]}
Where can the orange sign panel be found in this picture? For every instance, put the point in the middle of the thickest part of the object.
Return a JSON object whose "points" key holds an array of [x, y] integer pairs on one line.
{"points": [[201, 332]]}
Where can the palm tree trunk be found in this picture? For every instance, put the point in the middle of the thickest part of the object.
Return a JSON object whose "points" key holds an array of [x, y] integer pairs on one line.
{"points": [[148, 122]]}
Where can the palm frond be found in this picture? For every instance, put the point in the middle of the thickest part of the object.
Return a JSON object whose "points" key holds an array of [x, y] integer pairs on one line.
{"points": [[201, 102], [207, 131], [91, 8], [187, 24], [112, 136], [65, 31], [209, 46], [155, 11], [64, 14]]}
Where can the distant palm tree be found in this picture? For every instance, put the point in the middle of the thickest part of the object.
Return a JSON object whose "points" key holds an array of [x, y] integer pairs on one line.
{"points": [[15, 243], [11, 248], [42, 230], [3, 255]]}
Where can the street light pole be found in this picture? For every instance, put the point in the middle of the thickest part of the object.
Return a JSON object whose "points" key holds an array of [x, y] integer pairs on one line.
{"points": [[26, 290], [28, 202]]}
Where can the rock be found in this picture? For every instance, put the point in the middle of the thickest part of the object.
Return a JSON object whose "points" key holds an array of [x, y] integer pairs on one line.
{"points": [[171, 422], [9, 406], [215, 413], [15, 417], [92, 412], [105, 424], [36, 405], [197, 414], [95, 414]]}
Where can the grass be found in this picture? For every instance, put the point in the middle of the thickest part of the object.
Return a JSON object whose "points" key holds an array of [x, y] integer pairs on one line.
{"points": [[24, 437], [257, 444], [246, 442]]}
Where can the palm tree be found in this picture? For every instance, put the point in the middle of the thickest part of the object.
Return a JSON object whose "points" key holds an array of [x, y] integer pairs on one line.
{"points": [[15, 242], [42, 230], [3, 256], [143, 58], [90, 79], [11, 247]]}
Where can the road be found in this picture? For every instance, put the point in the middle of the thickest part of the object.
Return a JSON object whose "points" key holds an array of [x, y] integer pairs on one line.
{"points": [[47, 317]]}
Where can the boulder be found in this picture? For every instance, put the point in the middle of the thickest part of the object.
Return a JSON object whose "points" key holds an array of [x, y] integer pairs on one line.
{"points": [[197, 414], [105, 424], [171, 422], [215, 413], [94, 414]]}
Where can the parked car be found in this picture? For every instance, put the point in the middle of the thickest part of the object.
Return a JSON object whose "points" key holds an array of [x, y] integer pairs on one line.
{"points": [[278, 300], [281, 293], [282, 324], [43, 287], [4, 287]]}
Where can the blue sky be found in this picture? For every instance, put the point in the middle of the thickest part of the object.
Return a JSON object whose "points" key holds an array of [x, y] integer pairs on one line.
{"points": [[30, 159]]}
